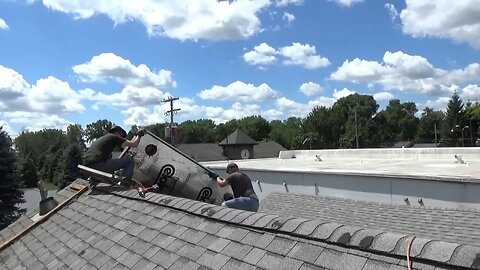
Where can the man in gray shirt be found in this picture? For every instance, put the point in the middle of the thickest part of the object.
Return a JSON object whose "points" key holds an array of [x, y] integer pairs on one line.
{"points": [[244, 195]]}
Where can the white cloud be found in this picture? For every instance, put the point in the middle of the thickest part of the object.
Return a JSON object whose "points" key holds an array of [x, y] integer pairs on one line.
{"points": [[143, 116], [470, 92], [288, 17], [338, 94], [48, 95], [383, 96], [392, 11], [297, 109], [311, 89], [261, 55], [130, 96], [6, 127], [456, 20], [240, 91], [303, 55], [283, 3], [438, 104], [400, 71], [180, 19], [110, 66], [237, 111], [33, 121], [3, 25], [347, 3]]}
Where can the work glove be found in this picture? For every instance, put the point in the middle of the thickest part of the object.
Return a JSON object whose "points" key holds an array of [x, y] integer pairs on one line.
{"points": [[212, 175], [141, 132]]}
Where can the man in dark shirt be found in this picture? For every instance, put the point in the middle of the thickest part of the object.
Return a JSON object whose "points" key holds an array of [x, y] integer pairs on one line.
{"points": [[244, 195], [99, 154]]}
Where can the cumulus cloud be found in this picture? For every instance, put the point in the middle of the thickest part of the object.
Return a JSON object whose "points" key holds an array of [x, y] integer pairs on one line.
{"points": [[311, 89], [47, 95], [110, 66], [297, 109], [240, 91], [347, 3], [383, 96], [180, 19], [3, 25], [400, 71], [288, 17], [338, 94], [130, 96], [456, 20], [304, 55], [261, 55], [33, 121], [283, 3], [6, 127], [471, 92]]}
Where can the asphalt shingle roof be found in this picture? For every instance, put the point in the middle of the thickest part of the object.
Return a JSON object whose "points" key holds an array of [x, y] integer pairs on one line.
{"points": [[238, 137], [108, 228], [449, 225]]}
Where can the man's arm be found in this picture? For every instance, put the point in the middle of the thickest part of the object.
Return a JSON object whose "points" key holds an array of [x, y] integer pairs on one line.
{"points": [[222, 182], [132, 143], [136, 140]]}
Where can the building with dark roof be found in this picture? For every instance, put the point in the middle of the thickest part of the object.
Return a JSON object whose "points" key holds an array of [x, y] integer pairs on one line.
{"points": [[237, 145], [110, 228]]}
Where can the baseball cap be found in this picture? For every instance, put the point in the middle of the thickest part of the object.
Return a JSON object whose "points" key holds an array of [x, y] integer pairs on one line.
{"points": [[123, 133]]}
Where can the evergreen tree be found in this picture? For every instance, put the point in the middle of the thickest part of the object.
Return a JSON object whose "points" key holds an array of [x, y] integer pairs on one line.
{"points": [[28, 172], [11, 196], [455, 119], [68, 170]]}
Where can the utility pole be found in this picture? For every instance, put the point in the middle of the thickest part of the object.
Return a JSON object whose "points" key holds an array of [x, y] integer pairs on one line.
{"points": [[171, 112], [356, 126]]}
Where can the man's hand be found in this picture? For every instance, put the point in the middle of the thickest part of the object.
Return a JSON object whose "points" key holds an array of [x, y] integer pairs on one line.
{"points": [[141, 132], [212, 175]]}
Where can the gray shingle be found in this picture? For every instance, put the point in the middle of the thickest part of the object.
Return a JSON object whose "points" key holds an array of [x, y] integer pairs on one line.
{"points": [[144, 264], [256, 239], [129, 259], [438, 251], [233, 264], [176, 245], [466, 256], [254, 256], [276, 262], [281, 245], [219, 244], [336, 260], [140, 247], [190, 251], [212, 259], [184, 264], [236, 250], [164, 258], [305, 252], [192, 236], [376, 265]]}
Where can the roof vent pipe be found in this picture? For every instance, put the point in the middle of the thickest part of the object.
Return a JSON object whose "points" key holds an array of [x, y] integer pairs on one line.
{"points": [[46, 204]]}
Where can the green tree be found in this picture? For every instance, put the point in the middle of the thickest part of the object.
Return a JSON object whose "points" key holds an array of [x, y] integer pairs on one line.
{"points": [[255, 126], [76, 134], [157, 129], [37, 143], [11, 196], [224, 129], [430, 121], [27, 171], [198, 131], [473, 114], [283, 132], [319, 129], [455, 120], [353, 118], [68, 170], [97, 129]]}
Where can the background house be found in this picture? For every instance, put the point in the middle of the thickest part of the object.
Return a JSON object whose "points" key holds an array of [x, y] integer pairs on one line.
{"points": [[237, 145]]}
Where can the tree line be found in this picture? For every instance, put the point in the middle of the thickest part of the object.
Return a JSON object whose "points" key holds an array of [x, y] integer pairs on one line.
{"points": [[53, 155]]}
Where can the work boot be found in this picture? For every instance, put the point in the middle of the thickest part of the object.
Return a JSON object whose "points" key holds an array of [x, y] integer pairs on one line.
{"points": [[125, 182]]}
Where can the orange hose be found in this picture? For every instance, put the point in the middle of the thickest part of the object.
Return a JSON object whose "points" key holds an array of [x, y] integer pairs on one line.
{"points": [[409, 249]]}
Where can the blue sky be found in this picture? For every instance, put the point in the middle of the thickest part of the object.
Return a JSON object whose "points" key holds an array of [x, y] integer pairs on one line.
{"points": [[65, 61]]}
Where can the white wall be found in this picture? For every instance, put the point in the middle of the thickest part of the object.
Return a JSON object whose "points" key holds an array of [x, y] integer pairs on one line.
{"points": [[389, 190]]}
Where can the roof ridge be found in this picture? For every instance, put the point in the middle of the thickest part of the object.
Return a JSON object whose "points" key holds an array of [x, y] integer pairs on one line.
{"points": [[374, 241], [470, 210]]}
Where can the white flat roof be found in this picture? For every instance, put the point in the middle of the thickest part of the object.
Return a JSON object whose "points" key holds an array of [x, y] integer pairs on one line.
{"points": [[457, 164]]}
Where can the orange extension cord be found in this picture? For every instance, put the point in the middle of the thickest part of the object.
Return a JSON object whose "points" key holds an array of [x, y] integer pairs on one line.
{"points": [[409, 249]]}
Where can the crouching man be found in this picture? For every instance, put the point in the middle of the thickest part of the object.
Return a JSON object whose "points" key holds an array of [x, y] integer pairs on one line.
{"points": [[99, 154], [244, 195]]}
